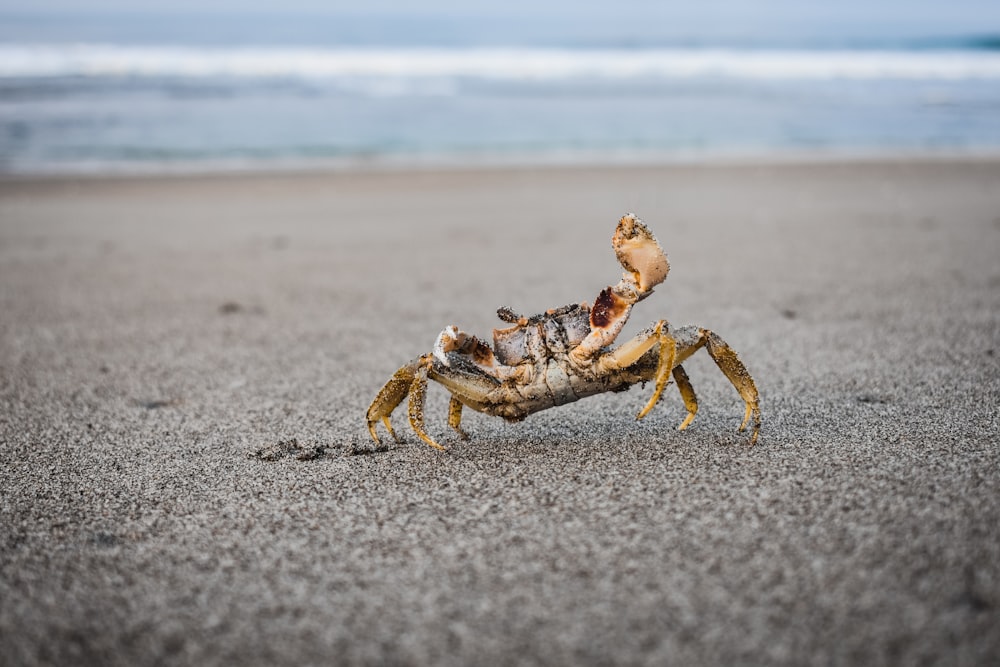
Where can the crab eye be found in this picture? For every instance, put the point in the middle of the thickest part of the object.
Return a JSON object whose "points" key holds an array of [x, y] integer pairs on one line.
{"points": [[507, 315]]}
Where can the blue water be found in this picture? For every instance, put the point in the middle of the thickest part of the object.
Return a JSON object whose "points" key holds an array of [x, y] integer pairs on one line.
{"points": [[121, 93]]}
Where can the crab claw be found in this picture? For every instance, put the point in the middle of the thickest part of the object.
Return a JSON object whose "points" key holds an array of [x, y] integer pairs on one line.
{"points": [[639, 253], [448, 340]]}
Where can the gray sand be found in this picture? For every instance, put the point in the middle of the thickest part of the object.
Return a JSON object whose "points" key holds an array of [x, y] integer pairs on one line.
{"points": [[185, 477]]}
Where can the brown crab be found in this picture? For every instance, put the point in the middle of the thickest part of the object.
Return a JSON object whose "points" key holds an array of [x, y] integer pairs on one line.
{"points": [[564, 354]]}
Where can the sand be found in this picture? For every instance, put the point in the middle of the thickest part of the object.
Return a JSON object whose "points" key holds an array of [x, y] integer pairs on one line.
{"points": [[185, 475]]}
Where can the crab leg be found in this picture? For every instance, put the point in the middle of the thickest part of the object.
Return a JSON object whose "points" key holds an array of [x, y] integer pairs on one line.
{"points": [[630, 352], [390, 396], [665, 363], [687, 393], [689, 340], [415, 406], [729, 363], [455, 417]]}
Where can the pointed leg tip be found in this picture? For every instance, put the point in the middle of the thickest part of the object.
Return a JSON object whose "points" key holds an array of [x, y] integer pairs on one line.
{"points": [[752, 411], [649, 406], [687, 422], [388, 427], [430, 441]]}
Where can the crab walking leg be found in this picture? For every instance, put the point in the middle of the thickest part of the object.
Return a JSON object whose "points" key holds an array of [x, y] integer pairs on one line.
{"points": [[388, 397], [687, 393], [415, 406], [727, 361], [691, 338], [668, 352], [631, 351], [455, 417]]}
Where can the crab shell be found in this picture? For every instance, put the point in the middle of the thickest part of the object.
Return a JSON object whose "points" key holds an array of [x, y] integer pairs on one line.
{"points": [[558, 330]]}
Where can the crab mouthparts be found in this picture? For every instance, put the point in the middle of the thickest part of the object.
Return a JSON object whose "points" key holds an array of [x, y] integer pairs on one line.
{"points": [[639, 253]]}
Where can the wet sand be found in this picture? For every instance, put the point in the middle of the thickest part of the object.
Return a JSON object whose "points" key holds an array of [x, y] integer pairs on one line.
{"points": [[185, 475]]}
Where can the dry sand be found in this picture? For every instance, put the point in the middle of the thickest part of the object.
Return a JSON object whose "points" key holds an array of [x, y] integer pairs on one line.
{"points": [[186, 479]]}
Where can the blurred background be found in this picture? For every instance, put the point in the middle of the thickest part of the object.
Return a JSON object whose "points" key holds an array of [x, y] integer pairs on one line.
{"points": [[180, 85]]}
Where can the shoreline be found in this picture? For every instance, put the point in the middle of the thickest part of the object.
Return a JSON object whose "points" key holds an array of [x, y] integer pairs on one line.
{"points": [[487, 163]]}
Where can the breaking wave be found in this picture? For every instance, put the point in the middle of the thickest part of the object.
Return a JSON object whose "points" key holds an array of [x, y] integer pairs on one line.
{"points": [[526, 64]]}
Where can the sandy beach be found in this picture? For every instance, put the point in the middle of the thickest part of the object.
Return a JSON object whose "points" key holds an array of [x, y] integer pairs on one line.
{"points": [[186, 477]]}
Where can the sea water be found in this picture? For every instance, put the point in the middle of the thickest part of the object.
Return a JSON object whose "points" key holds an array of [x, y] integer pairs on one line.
{"points": [[134, 93]]}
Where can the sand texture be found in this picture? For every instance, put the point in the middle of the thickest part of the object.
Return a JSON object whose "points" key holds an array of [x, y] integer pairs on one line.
{"points": [[185, 476]]}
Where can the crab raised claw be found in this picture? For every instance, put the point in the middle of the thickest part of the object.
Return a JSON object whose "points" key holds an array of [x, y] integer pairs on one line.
{"points": [[565, 354]]}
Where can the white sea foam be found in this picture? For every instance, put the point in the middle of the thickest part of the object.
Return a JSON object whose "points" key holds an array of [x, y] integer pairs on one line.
{"points": [[97, 60]]}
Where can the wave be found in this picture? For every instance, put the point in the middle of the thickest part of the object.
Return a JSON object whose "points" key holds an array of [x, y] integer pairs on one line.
{"points": [[525, 64]]}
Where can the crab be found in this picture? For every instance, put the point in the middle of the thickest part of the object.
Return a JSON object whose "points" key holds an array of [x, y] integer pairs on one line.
{"points": [[566, 354]]}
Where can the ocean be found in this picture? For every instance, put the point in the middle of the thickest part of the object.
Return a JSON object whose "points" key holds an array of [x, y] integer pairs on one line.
{"points": [[139, 93]]}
